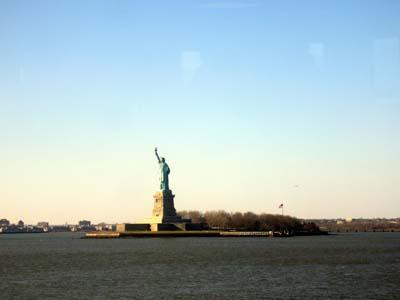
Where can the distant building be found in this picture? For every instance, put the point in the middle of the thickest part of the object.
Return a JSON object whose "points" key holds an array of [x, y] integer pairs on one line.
{"points": [[99, 227], [4, 223], [34, 229], [13, 229], [84, 223], [44, 226], [104, 226], [60, 228]]}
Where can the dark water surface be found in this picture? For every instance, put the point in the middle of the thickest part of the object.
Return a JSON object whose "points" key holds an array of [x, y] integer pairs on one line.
{"points": [[63, 266]]}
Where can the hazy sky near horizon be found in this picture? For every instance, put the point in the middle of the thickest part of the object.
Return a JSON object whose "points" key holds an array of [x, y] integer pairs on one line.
{"points": [[253, 104]]}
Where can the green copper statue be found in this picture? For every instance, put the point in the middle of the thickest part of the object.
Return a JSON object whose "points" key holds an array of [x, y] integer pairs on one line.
{"points": [[164, 168]]}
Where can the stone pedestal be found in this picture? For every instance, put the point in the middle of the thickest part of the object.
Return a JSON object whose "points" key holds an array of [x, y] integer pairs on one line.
{"points": [[133, 227], [164, 217], [164, 209]]}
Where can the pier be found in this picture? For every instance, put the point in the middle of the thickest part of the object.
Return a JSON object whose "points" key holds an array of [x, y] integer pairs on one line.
{"points": [[194, 233]]}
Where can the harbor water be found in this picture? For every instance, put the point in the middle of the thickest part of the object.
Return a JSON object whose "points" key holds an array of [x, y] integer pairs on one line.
{"points": [[64, 266]]}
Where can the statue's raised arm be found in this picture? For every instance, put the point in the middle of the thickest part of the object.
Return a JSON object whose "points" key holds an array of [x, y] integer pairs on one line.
{"points": [[164, 172], [155, 150]]}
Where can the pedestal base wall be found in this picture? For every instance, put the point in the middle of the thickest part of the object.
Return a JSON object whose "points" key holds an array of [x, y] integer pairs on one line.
{"points": [[179, 226]]}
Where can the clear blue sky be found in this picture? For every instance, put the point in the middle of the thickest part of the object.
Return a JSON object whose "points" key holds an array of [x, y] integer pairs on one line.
{"points": [[253, 104]]}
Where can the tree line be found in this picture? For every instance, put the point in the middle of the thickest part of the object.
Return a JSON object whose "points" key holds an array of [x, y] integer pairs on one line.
{"points": [[248, 221]]}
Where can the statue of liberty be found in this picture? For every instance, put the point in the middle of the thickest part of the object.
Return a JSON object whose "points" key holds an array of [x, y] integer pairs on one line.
{"points": [[164, 172]]}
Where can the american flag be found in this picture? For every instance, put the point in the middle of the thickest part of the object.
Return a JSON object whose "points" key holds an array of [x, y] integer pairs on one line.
{"points": [[281, 206]]}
